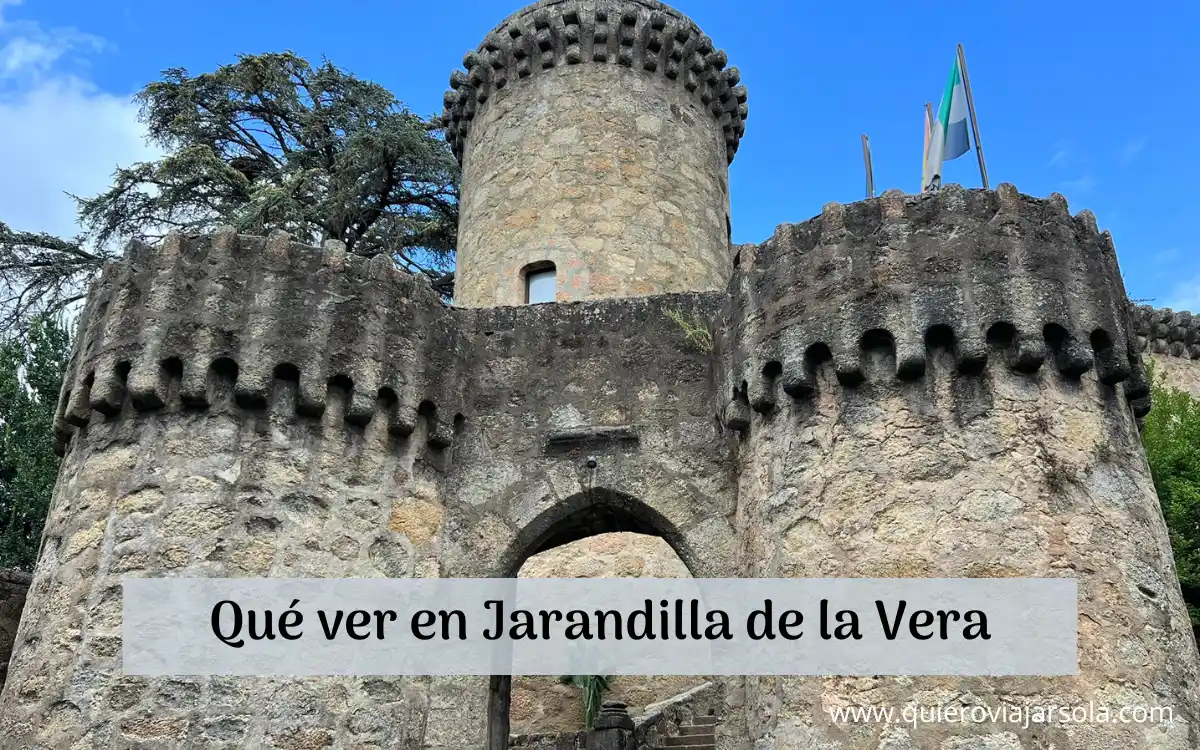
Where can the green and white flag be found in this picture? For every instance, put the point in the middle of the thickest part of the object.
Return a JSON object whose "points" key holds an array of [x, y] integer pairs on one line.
{"points": [[949, 139]]}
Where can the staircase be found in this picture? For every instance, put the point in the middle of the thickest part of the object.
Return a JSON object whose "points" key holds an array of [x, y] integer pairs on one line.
{"points": [[699, 735]]}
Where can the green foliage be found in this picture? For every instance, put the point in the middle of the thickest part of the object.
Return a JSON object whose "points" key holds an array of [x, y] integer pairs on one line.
{"points": [[593, 688], [41, 275], [1172, 439], [31, 373], [695, 331], [268, 142], [271, 142]]}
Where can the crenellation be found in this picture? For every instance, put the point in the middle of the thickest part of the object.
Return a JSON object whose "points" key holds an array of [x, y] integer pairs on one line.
{"points": [[982, 270], [169, 322], [649, 36], [1172, 341], [614, 174], [1167, 332]]}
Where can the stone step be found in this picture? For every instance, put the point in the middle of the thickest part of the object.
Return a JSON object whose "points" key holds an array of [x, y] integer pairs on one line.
{"points": [[693, 741], [699, 735]]}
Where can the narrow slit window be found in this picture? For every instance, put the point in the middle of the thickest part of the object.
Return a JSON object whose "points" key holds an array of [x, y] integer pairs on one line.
{"points": [[540, 283]]}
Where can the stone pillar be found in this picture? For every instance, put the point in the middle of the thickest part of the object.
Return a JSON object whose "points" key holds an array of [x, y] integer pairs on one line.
{"points": [[947, 387], [614, 729], [594, 135]]}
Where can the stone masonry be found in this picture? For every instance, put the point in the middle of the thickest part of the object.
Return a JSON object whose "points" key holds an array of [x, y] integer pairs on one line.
{"points": [[13, 586], [344, 423], [597, 139], [939, 385], [1172, 341], [947, 406]]}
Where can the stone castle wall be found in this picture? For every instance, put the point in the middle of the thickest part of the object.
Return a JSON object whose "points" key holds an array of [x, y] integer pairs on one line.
{"points": [[961, 403], [596, 137], [14, 585], [958, 399], [1172, 341], [190, 453], [1180, 373], [942, 385], [618, 555], [247, 407]]}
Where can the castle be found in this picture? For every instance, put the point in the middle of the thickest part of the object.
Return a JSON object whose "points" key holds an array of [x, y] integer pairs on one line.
{"points": [[932, 386]]}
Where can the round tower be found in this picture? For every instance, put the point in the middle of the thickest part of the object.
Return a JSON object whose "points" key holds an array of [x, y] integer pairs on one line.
{"points": [[595, 138], [948, 387]]}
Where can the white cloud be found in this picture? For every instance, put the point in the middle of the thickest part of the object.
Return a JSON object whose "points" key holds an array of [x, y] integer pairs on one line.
{"points": [[62, 134], [1186, 296], [27, 50], [1166, 256], [23, 54], [1079, 187], [1132, 149], [1061, 157]]}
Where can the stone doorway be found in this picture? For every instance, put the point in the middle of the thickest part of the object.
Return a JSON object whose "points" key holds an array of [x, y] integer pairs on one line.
{"points": [[542, 704], [595, 535]]}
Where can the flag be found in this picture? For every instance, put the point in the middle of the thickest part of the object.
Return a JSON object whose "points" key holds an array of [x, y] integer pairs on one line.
{"points": [[949, 138]]}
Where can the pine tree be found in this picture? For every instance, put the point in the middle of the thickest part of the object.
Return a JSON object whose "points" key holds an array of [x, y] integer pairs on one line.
{"points": [[268, 142]]}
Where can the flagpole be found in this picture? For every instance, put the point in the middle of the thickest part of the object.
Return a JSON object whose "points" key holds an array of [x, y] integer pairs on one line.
{"points": [[866, 144], [928, 133], [962, 63]]}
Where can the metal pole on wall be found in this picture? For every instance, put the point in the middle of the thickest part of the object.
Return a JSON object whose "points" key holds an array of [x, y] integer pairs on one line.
{"points": [[866, 144], [962, 64], [928, 134]]}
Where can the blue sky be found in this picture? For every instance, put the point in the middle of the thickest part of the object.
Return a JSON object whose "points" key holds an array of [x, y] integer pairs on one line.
{"points": [[1088, 99]]}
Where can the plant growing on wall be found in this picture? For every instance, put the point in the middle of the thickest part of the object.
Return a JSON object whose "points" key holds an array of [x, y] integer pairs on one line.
{"points": [[695, 330], [1172, 439], [593, 688]]}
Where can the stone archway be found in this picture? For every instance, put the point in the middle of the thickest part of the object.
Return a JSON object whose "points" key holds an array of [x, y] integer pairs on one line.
{"points": [[544, 704], [590, 512], [588, 515]]}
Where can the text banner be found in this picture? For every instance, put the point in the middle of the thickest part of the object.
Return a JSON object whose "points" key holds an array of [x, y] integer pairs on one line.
{"points": [[498, 626]]}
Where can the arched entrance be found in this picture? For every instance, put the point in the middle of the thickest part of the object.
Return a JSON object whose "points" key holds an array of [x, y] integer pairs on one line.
{"points": [[596, 533]]}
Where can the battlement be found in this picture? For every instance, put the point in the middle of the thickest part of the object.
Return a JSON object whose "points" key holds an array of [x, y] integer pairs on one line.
{"points": [[196, 315], [1165, 331], [638, 34], [977, 272]]}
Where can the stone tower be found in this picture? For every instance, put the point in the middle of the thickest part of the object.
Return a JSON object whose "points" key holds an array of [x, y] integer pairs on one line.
{"points": [[595, 139], [931, 386], [948, 387]]}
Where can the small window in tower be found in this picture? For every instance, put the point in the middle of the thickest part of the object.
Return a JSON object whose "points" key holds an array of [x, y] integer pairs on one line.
{"points": [[541, 283]]}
